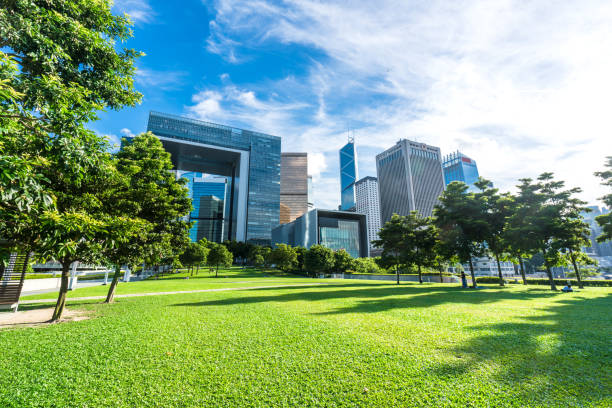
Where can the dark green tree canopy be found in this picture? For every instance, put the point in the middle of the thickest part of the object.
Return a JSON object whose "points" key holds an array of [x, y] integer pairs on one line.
{"points": [[605, 220]]}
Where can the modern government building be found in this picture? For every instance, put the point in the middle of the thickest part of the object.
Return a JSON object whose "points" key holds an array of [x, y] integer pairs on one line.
{"points": [[247, 162]]}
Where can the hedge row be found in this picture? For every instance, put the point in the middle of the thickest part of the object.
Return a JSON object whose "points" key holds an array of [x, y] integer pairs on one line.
{"points": [[545, 281], [403, 274]]}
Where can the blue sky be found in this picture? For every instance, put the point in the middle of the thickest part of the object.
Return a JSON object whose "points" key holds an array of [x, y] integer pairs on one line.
{"points": [[521, 87]]}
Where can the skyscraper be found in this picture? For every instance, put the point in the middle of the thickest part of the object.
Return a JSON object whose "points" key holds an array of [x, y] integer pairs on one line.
{"points": [[409, 178], [293, 186], [366, 202], [250, 161], [348, 176], [459, 167]]}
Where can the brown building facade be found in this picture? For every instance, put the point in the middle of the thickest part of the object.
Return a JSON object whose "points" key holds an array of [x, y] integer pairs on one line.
{"points": [[293, 186]]}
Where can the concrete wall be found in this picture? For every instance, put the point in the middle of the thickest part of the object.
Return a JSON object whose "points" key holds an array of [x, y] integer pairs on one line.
{"points": [[30, 285]]}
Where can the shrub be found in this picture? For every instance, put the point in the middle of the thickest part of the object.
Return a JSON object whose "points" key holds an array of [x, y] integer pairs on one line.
{"points": [[488, 279], [367, 266]]}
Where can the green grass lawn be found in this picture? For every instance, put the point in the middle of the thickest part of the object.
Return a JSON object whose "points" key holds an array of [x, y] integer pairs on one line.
{"points": [[347, 344]]}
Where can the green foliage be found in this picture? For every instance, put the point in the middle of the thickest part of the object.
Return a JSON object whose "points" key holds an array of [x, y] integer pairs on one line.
{"points": [[343, 261], [367, 266], [195, 254], [284, 257], [154, 195], [318, 259], [408, 240], [259, 261], [218, 256], [493, 214], [64, 67], [605, 220], [460, 225]]}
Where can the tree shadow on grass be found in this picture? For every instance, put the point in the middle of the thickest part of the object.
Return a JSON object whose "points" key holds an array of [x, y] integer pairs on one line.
{"points": [[378, 297], [559, 357]]}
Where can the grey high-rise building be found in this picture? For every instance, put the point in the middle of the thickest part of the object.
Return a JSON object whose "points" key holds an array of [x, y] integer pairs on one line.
{"points": [[249, 160], [410, 178], [293, 186]]}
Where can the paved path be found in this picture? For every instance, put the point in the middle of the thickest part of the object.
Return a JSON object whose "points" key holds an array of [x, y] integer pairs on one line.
{"points": [[27, 302]]}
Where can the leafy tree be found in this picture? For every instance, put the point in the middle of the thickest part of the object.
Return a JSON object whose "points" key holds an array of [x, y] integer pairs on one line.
{"points": [[520, 238], [584, 264], [419, 241], [195, 254], [605, 220], [494, 212], [284, 256], [152, 194], [343, 261], [390, 239], [318, 259], [67, 68], [554, 222], [240, 250], [219, 255], [300, 252], [460, 228], [259, 261]]}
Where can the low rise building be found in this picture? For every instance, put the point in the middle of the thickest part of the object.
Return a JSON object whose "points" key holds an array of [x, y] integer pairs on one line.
{"points": [[333, 229]]}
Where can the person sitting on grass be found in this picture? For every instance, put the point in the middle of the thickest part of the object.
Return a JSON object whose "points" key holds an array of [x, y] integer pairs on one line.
{"points": [[568, 287]]}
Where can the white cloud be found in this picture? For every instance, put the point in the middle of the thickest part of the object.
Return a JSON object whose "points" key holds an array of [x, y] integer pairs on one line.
{"points": [[522, 87], [140, 11], [127, 132], [163, 80]]}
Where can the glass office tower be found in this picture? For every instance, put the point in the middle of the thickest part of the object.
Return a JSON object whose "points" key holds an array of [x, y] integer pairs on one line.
{"points": [[348, 176], [459, 167], [249, 160], [208, 198], [410, 178]]}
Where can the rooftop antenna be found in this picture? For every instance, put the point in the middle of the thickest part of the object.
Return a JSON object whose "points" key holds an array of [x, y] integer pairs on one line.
{"points": [[350, 135]]}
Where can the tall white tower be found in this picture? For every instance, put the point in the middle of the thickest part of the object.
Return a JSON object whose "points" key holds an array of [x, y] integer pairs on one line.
{"points": [[366, 202]]}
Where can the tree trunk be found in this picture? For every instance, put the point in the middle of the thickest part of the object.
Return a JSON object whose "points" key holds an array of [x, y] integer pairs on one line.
{"points": [[553, 286], [198, 270], [474, 284], [522, 270], [499, 272], [440, 267], [397, 274], [217, 271], [573, 258], [61, 299], [110, 297], [420, 275]]}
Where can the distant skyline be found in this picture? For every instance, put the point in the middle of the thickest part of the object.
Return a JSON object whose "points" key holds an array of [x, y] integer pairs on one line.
{"points": [[522, 88]]}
